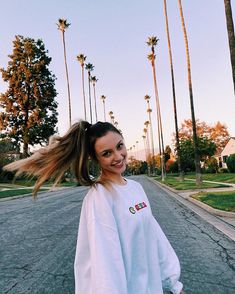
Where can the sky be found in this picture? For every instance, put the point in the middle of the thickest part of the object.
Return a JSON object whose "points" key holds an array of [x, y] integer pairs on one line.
{"points": [[113, 35]]}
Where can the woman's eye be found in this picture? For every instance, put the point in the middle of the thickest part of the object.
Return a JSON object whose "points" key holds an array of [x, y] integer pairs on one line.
{"points": [[106, 154], [120, 146]]}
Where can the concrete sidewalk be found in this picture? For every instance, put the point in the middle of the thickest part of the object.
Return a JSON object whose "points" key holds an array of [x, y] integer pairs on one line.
{"points": [[222, 220]]}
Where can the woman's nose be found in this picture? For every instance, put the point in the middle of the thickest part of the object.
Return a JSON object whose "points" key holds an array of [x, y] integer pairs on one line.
{"points": [[118, 155]]}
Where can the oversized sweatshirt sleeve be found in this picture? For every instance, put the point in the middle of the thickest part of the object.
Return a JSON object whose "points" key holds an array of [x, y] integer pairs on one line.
{"points": [[169, 263], [106, 262]]}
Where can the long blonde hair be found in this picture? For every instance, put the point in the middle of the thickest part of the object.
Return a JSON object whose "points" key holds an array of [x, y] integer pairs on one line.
{"points": [[72, 150]]}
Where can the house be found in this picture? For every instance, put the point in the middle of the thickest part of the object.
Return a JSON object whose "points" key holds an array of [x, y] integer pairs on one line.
{"points": [[228, 150]]}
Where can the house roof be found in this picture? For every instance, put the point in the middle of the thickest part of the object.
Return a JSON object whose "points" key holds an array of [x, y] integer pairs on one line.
{"points": [[229, 148]]}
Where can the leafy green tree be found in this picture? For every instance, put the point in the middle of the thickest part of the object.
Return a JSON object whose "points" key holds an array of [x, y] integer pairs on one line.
{"points": [[167, 153], [211, 165], [206, 149], [187, 157], [6, 146], [8, 151], [231, 163], [173, 168], [143, 167], [29, 109], [218, 132]]}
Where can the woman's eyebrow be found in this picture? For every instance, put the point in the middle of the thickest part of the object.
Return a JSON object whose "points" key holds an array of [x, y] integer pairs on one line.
{"points": [[108, 150], [121, 141]]}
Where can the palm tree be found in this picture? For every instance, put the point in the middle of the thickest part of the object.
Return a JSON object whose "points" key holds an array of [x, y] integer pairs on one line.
{"points": [[146, 130], [62, 26], [94, 81], [134, 152], [149, 110], [137, 149], [147, 146], [89, 67], [152, 42], [111, 117], [181, 176], [151, 57], [82, 58], [195, 138], [231, 38], [103, 100]]}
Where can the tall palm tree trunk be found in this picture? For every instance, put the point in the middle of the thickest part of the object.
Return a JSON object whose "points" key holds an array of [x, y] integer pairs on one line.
{"points": [[67, 78], [195, 139], [160, 133], [145, 148], [181, 176], [83, 91], [89, 88], [104, 111], [96, 115], [151, 133], [152, 143], [231, 38], [148, 151]]}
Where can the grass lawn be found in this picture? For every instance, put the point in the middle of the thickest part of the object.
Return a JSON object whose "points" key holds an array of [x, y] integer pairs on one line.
{"points": [[31, 183], [219, 200], [68, 184], [173, 182], [26, 187], [6, 186], [16, 192], [222, 177]]}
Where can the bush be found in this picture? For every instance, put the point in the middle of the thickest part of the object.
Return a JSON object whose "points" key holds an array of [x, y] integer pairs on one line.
{"points": [[173, 168], [211, 165], [223, 170], [231, 163], [168, 164]]}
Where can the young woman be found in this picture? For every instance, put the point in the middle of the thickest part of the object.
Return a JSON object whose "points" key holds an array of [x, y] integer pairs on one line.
{"points": [[121, 249]]}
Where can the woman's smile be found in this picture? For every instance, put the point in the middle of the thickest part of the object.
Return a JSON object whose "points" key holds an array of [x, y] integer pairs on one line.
{"points": [[118, 164]]}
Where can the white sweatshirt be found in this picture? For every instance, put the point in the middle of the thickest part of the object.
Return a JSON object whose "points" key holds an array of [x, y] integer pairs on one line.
{"points": [[121, 248]]}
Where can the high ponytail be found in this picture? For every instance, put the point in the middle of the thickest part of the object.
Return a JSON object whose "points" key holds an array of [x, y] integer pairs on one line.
{"points": [[62, 153]]}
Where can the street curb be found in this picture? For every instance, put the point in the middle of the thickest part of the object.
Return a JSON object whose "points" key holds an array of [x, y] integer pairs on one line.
{"points": [[220, 223], [211, 209], [197, 202]]}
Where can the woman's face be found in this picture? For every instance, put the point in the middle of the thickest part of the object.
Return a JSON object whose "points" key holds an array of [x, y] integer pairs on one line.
{"points": [[111, 154]]}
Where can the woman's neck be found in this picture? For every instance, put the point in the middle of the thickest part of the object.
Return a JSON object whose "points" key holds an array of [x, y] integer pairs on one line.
{"points": [[117, 179]]}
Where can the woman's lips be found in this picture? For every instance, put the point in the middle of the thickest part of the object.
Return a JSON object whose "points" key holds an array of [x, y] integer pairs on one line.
{"points": [[118, 165]]}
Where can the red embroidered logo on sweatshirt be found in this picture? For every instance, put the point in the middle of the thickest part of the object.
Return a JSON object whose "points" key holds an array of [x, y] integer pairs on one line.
{"points": [[137, 207]]}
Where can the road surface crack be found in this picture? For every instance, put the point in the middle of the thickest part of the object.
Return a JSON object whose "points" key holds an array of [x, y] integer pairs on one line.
{"points": [[224, 255]]}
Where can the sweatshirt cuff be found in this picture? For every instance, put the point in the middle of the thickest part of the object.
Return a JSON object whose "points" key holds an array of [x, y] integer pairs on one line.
{"points": [[177, 288]]}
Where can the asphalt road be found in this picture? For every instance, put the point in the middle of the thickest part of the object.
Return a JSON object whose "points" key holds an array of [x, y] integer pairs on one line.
{"points": [[38, 239]]}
